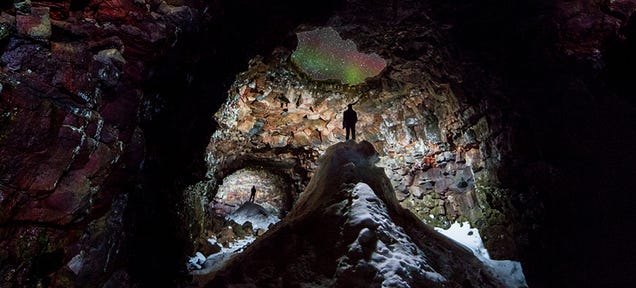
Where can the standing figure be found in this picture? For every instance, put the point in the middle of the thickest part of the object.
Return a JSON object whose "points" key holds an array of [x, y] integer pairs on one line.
{"points": [[349, 120], [253, 194]]}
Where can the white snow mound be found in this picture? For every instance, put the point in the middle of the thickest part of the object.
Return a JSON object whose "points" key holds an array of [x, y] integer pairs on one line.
{"points": [[394, 256], [509, 272]]}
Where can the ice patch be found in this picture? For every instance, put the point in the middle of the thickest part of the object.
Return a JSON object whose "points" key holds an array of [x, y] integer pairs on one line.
{"points": [[509, 272]]}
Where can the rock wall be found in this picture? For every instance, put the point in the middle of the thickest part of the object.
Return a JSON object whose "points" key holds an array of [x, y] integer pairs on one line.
{"points": [[71, 86], [560, 68]]}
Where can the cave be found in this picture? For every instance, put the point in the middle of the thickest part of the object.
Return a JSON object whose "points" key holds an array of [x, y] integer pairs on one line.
{"points": [[492, 143]]}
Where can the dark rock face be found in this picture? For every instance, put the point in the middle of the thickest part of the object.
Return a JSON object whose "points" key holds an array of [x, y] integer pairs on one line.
{"points": [[71, 87], [562, 65]]}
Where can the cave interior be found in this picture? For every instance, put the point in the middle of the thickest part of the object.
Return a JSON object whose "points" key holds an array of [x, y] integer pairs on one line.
{"points": [[131, 130]]}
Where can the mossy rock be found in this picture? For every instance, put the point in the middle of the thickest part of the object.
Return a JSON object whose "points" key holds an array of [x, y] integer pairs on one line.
{"points": [[429, 200], [494, 217], [499, 242], [438, 210]]}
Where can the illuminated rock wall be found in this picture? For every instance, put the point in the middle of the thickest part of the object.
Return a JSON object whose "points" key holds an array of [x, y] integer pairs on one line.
{"points": [[435, 147]]}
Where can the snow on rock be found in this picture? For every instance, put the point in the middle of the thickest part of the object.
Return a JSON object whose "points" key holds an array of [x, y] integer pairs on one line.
{"points": [[381, 246], [196, 261], [255, 214], [199, 264], [509, 272], [347, 229], [248, 212]]}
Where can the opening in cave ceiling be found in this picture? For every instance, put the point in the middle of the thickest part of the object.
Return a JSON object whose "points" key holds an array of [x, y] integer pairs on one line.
{"points": [[324, 55]]}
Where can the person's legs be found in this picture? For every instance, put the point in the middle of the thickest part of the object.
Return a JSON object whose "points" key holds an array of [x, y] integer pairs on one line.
{"points": [[347, 130], [353, 132]]}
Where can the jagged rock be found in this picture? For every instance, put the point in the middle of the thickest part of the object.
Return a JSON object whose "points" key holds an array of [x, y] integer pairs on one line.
{"points": [[23, 6], [309, 117], [226, 236], [69, 52], [110, 57], [37, 25], [205, 247], [69, 121], [416, 192]]}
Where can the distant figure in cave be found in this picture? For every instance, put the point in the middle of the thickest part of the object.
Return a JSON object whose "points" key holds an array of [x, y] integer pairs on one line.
{"points": [[252, 194], [349, 120]]}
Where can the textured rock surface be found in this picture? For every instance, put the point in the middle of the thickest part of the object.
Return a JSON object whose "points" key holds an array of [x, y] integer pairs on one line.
{"points": [[71, 87], [434, 145], [496, 113], [455, 138]]}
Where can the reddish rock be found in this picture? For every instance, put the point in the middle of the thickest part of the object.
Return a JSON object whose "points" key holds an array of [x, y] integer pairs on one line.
{"points": [[37, 25], [74, 52], [583, 26], [69, 128], [59, 9], [114, 10]]}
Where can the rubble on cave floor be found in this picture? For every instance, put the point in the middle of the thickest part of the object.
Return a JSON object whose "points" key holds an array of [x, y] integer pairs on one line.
{"points": [[242, 227]]}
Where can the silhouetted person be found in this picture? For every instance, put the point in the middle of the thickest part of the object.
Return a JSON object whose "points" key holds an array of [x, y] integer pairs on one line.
{"points": [[253, 194], [349, 122]]}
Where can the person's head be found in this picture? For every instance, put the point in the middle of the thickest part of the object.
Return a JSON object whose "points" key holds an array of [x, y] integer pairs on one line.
{"points": [[350, 106]]}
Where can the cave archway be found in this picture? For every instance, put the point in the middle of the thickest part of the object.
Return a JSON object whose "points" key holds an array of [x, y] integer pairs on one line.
{"points": [[272, 191]]}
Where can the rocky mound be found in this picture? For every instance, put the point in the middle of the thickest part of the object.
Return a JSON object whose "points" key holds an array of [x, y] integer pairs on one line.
{"points": [[348, 230]]}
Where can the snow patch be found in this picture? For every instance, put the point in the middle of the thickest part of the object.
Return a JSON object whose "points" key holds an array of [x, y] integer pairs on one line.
{"points": [[200, 265], [509, 272], [255, 214], [392, 253]]}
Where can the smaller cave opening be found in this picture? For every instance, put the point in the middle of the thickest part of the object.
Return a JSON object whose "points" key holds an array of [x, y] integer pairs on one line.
{"points": [[247, 203], [271, 192]]}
